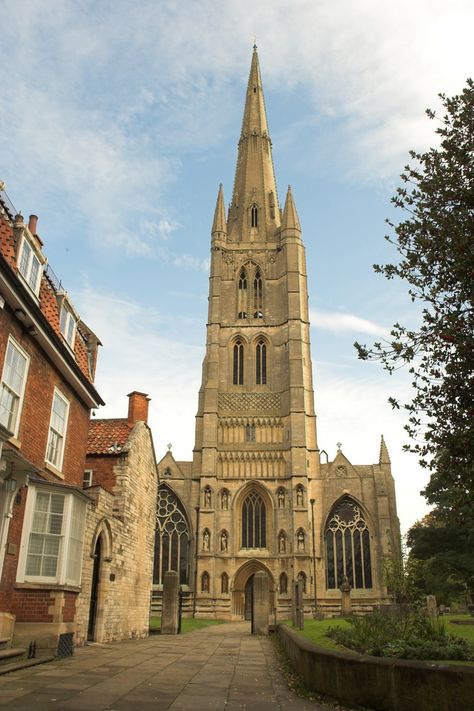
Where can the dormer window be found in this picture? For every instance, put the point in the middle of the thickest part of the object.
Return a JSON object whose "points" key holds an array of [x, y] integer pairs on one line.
{"points": [[29, 266], [67, 324]]}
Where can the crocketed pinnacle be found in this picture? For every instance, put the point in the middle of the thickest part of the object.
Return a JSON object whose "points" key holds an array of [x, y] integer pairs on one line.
{"points": [[254, 214], [384, 457], [290, 219], [219, 227]]}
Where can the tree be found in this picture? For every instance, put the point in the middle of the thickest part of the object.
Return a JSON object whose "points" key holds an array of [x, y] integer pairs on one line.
{"points": [[436, 249]]}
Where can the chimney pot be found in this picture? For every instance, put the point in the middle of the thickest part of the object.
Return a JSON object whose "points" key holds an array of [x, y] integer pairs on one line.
{"points": [[137, 407], [32, 223]]}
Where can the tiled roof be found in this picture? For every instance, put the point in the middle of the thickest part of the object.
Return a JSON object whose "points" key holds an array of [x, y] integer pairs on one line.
{"points": [[107, 436], [47, 297]]}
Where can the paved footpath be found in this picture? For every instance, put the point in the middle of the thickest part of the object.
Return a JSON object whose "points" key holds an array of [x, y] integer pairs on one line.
{"points": [[219, 668]]}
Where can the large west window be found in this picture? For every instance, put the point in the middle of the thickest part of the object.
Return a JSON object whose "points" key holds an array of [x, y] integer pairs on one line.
{"points": [[53, 537], [254, 522], [57, 430], [29, 266], [347, 546], [171, 537], [15, 370]]}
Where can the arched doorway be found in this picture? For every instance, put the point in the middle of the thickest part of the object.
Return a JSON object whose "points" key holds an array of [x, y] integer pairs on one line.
{"points": [[94, 601], [242, 589]]}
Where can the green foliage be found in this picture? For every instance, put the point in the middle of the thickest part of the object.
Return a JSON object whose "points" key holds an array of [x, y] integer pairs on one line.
{"points": [[436, 258], [403, 632]]}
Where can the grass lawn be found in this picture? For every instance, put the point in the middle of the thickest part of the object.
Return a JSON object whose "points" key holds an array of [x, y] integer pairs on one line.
{"points": [[466, 631], [315, 631], [187, 624]]}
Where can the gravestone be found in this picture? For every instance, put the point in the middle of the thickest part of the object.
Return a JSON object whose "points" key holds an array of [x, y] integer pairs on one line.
{"points": [[261, 603], [346, 603], [170, 606], [431, 606]]}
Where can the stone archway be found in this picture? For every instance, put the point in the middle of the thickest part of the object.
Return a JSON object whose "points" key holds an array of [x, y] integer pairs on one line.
{"points": [[242, 588]]}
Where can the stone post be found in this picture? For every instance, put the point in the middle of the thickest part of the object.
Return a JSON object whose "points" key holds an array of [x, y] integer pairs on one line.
{"points": [[261, 603], [170, 605], [346, 603], [299, 605], [294, 604]]}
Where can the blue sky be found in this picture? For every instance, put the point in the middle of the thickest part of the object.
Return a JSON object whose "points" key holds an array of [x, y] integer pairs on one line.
{"points": [[119, 119]]}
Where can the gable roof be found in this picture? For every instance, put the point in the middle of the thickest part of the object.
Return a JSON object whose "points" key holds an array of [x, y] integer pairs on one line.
{"points": [[108, 436]]}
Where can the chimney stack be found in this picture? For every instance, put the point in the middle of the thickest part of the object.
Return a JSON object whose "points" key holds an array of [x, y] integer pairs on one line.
{"points": [[137, 407], [32, 224]]}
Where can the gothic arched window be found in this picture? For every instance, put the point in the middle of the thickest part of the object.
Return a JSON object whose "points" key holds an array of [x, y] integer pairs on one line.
{"points": [[254, 216], [347, 541], [254, 518], [258, 295], [238, 363], [242, 295], [171, 537], [261, 363]]}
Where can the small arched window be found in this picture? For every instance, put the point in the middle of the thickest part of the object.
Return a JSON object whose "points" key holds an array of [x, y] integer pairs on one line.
{"points": [[283, 584], [261, 363], [238, 364], [254, 522], [250, 433], [347, 541], [205, 580], [258, 295], [254, 216]]}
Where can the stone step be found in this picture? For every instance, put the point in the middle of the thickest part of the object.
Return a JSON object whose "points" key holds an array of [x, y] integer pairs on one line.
{"points": [[9, 655], [4, 642], [24, 664]]}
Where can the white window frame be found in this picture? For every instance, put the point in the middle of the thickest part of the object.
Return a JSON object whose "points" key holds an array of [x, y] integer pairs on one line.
{"points": [[88, 478], [32, 258], [66, 318], [58, 465], [69, 537], [21, 395]]}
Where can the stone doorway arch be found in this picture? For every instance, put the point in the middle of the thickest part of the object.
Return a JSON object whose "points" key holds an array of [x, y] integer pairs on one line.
{"points": [[242, 589]]}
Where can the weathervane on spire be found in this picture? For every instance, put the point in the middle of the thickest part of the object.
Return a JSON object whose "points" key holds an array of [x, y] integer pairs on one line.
{"points": [[254, 43]]}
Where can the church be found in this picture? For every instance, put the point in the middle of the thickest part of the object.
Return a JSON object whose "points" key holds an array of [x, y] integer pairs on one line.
{"points": [[258, 494]]}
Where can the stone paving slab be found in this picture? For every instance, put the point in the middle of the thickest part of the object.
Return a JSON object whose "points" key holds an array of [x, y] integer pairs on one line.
{"points": [[221, 668]]}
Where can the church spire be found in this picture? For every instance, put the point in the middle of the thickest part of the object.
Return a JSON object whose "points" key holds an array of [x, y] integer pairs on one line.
{"points": [[290, 219], [219, 227], [384, 457], [254, 213]]}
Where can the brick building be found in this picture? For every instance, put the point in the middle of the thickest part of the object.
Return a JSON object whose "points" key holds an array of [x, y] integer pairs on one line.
{"points": [[121, 480], [47, 364]]}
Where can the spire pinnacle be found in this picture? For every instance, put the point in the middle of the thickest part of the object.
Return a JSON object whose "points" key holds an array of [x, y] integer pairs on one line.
{"points": [[290, 219], [254, 213], [384, 457], [219, 227]]}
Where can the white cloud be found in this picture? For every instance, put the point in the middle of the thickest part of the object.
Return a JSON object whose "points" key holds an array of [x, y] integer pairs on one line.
{"points": [[342, 323]]}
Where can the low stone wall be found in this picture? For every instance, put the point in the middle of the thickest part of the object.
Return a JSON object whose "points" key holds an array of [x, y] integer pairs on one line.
{"points": [[381, 684]]}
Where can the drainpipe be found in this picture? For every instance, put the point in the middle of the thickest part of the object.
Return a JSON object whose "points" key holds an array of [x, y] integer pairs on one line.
{"points": [[196, 560]]}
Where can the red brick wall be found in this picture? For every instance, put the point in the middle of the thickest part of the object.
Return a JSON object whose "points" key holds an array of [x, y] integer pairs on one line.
{"points": [[36, 412], [103, 468], [69, 607], [31, 605]]}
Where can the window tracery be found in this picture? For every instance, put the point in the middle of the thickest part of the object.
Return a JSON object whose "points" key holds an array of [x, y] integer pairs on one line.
{"points": [[254, 534], [347, 541], [238, 363], [171, 537], [261, 363]]}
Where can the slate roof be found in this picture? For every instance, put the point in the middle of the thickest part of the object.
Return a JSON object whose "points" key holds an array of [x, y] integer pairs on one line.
{"points": [[108, 436]]}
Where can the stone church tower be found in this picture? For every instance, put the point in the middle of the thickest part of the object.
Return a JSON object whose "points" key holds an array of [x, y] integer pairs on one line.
{"points": [[256, 497]]}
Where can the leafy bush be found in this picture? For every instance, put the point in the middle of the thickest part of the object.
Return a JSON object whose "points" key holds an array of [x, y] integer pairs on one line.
{"points": [[402, 632]]}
